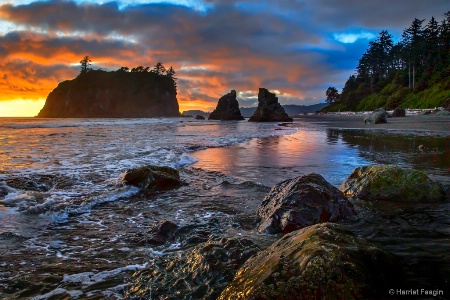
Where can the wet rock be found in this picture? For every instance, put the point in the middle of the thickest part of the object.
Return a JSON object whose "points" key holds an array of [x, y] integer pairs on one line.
{"points": [[301, 202], [227, 108], [3, 191], [378, 116], [199, 273], [398, 112], [198, 232], [152, 178], [391, 183], [40, 183], [323, 261], [160, 233], [198, 117], [7, 236], [269, 110], [185, 236]]}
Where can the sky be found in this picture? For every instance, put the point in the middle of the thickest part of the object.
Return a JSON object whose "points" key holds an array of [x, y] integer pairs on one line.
{"points": [[295, 48]]}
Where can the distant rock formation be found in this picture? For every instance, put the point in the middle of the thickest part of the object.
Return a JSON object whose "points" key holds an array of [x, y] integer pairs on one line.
{"points": [[199, 117], [119, 94], [195, 112], [227, 108], [290, 109], [269, 110]]}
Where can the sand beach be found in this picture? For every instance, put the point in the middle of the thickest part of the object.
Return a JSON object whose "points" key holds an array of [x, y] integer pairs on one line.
{"points": [[431, 123]]}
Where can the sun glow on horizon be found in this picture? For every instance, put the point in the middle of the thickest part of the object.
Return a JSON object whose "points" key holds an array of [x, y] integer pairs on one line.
{"points": [[21, 108]]}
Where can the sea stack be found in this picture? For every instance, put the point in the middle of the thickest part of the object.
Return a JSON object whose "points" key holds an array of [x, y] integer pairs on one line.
{"points": [[269, 110], [117, 94], [227, 108]]}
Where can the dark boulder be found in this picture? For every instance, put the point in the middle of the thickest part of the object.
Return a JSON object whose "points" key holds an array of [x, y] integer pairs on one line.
{"points": [[199, 117], [200, 273], [269, 110], [391, 183], [398, 112], [301, 202], [3, 190], [152, 178], [160, 233], [323, 261], [187, 235], [227, 108], [378, 116], [40, 183]]}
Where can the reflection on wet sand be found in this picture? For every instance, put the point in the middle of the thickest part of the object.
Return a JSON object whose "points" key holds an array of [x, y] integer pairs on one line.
{"points": [[333, 153]]}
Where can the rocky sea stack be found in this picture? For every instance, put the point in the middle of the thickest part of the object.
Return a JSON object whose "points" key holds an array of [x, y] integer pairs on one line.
{"points": [[227, 108], [269, 110], [119, 94]]}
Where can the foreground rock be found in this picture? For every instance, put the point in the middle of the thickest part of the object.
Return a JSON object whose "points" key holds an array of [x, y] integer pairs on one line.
{"points": [[40, 183], [152, 178], [398, 112], [119, 94], [323, 261], [378, 116], [391, 183], [201, 273], [227, 108], [269, 110], [301, 202], [160, 233], [166, 233]]}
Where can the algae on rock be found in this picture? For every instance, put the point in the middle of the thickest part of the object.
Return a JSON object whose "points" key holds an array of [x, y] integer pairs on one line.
{"points": [[391, 183]]}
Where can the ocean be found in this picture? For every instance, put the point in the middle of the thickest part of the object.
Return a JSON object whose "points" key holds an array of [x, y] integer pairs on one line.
{"points": [[69, 228]]}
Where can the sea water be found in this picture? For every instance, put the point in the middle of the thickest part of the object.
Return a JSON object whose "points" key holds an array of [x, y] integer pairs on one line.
{"points": [[68, 226]]}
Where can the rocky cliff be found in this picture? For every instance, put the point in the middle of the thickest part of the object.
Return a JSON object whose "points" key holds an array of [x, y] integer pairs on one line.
{"points": [[119, 94], [269, 110], [227, 108]]}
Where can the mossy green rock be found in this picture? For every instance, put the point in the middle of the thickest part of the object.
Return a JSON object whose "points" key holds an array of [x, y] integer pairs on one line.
{"points": [[152, 177], [323, 261], [391, 183], [199, 273]]}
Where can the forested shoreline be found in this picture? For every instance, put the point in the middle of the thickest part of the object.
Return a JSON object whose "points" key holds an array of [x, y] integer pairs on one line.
{"points": [[412, 73]]}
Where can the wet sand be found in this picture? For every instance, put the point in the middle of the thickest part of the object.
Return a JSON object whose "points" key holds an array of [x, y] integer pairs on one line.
{"points": [[429, 123]]}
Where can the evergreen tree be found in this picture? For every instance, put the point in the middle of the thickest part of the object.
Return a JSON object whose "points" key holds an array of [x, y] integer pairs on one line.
{"points": [[85, 64]]}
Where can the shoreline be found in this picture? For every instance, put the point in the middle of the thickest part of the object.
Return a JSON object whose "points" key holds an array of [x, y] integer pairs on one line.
{"points": [[410, 123]]}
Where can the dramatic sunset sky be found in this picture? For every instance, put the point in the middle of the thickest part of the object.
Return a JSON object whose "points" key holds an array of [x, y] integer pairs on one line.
{"points": [[296, 48]]}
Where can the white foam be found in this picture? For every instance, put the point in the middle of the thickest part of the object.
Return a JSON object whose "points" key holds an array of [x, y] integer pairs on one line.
{"points": [[55, 292], [89, 278]]}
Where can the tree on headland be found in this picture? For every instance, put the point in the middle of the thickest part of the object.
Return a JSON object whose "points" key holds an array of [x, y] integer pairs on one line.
{"points": [[332, 95], [124, 69], [159, 69], [85, 64], [171, 73]]}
